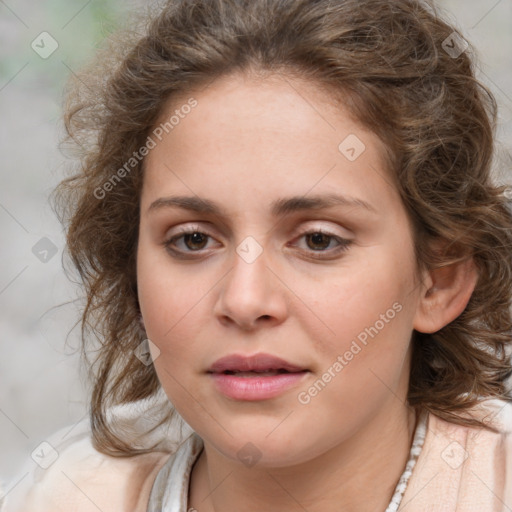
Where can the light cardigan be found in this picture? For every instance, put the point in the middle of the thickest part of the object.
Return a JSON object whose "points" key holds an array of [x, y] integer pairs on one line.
{"points": [[459, 469]]}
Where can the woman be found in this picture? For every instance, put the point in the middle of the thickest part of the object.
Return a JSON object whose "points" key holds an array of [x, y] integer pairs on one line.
{"points": [[288, 236]]}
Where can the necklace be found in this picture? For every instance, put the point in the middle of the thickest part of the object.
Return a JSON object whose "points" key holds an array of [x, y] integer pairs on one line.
{"points": [[417, 445]]}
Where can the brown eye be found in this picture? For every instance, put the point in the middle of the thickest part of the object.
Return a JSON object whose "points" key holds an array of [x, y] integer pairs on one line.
{"points": [[318, 240], [195, 240], [187, 241]]}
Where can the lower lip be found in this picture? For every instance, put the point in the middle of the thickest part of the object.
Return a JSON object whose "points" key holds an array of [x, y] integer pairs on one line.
{"points": [[256, 388]]}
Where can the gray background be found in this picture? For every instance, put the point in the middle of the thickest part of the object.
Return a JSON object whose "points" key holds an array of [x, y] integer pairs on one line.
{"points": [[41, 386]]}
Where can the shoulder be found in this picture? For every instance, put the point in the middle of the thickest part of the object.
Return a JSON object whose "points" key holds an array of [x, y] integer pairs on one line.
{"points": [[481, 443], [66, 473], [73, 475], [467, 467]]}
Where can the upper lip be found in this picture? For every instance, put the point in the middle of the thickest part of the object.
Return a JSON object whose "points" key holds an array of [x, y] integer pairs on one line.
{"points": [[256, 363]]}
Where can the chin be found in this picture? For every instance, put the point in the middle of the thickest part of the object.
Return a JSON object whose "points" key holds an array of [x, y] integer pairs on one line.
{"points": [[265, 445]]}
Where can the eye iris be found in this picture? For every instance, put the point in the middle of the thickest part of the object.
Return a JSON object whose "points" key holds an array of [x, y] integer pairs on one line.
{"points": [[195, 238], [319, 238]]}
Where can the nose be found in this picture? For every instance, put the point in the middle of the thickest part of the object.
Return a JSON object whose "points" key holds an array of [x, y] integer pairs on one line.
{"points": [[252, 294]]}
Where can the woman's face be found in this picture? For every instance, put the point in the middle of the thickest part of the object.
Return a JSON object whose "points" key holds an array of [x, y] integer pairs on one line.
{"points": [[265, 330]]}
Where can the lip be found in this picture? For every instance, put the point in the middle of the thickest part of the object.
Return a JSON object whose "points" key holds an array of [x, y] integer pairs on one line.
{"points": [[283, 376], [256, 363]]}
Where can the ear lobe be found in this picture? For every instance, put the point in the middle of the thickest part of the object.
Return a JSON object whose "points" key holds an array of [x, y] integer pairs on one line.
{"points": [[446, 295]]}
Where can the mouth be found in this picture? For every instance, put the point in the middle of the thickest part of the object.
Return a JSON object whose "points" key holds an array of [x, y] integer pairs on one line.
{"points": [[257, 377], [257, 365]]}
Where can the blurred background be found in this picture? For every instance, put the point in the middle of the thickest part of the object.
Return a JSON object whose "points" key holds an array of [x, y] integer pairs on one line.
{"points": [[42, 387]]}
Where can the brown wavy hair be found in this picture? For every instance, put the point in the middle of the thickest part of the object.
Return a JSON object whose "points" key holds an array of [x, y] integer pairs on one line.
{"points": [[386, 61]]}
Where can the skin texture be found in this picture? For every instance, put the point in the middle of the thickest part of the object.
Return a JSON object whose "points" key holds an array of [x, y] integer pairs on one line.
{"points": [[248, 142]]}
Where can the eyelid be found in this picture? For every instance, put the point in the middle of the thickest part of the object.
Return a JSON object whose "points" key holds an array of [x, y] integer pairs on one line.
{"points": [[310, 226], [314, 226]]}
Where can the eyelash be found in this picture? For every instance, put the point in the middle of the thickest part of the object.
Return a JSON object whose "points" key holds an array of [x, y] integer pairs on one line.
{"points": [[342, 247]]}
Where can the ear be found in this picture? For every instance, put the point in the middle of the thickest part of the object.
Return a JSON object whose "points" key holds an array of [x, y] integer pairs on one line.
{"points": [[445, 294]]}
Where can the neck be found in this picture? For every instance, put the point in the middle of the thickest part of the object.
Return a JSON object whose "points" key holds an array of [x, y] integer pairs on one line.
{"points": [[359, 474]]}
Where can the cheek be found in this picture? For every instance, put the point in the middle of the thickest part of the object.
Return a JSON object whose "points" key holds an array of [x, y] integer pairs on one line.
{"points": [[165, 298], [167, 312], [365, 353], [168, 309], [358, 298], [176, 303]]}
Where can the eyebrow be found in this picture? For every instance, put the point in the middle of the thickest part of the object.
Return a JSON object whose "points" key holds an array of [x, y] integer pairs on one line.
{"points": [[278, 208]]}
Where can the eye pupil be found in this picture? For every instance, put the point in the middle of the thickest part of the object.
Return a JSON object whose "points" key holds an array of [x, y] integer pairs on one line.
{"points": [[319, 238]]}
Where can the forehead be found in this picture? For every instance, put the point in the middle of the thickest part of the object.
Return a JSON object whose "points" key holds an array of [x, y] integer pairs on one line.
{"points": [[260, 104], [266, 136]]}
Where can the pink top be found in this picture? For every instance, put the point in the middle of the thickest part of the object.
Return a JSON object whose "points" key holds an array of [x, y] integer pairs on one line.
{"points": [[459, 469]]}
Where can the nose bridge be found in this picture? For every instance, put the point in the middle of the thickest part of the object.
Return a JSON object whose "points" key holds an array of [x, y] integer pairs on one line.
{"points": [[250, 289], [249, 276]]}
